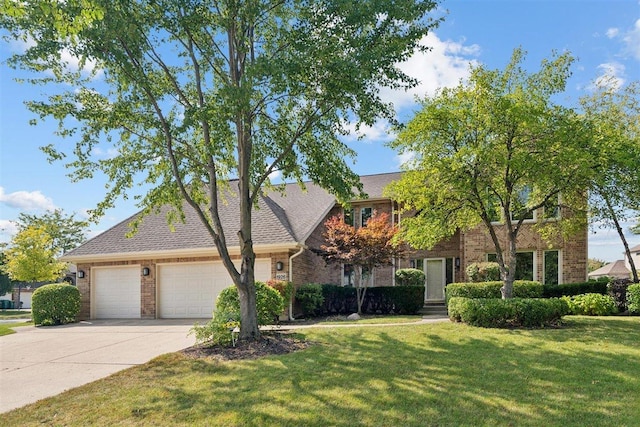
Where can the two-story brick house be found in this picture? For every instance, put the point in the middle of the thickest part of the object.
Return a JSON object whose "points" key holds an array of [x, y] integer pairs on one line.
{"points": [[159, 273]]}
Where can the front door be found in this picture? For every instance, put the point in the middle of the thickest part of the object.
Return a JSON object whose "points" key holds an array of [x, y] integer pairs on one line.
{"points": [[435, 272]]}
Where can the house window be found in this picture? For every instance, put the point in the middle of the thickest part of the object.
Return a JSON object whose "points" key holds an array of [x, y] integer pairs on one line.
{"points": [[417, 263], [519, 208], [348, 275], [348, 216], [551, 267], [365, 214], [449, 263], [552, 208], [525, 265]]}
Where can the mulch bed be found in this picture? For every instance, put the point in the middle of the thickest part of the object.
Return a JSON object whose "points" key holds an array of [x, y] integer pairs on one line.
{"points": [[270, 344]]}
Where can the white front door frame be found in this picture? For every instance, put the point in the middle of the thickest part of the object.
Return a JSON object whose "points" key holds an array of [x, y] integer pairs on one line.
{"points": [[435, 291]]}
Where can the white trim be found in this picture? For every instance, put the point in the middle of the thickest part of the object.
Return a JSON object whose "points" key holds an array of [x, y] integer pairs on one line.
{"points": [[190, 252]]}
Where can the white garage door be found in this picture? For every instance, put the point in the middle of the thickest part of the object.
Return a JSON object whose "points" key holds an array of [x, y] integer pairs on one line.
{"points": [[190, 290], [116, 292]]}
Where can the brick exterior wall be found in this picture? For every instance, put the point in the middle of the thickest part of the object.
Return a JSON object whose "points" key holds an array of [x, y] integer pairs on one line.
{"points": [[308, 267], [148, 289]]}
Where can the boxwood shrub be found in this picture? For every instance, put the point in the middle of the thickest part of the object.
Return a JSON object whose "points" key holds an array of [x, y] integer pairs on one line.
{"points": [[521, 289], [410, 277], [591, 304], [269, 303], [569, 289], [310, 299], [507, 313], [328, 299], [55, 304], [633, 298]]}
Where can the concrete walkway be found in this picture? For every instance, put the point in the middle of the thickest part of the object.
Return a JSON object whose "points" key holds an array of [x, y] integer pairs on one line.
{"points": [[41, 362]]}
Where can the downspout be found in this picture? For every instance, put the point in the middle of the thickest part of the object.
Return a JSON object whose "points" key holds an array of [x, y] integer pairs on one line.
{"points": [[302, 248]]}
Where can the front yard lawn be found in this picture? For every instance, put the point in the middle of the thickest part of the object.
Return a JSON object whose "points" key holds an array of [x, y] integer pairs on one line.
{"points": [[587, 373], [15, 314], [7, 328]]}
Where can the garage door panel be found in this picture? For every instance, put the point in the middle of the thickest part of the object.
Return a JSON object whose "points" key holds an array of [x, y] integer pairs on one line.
{"points": [[190, 290], [116, 293]]}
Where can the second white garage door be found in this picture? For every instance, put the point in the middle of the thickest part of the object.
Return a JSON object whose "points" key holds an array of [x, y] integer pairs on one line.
{"points": [[190, 290]]}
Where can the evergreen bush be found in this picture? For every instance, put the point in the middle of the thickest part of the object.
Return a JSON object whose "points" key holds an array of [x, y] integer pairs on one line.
{"points": [[55, 304], [410, 277], [507, 313], [633, 298]]}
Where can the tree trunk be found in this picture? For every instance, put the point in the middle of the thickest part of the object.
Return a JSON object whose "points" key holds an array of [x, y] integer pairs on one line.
{"points": [[632, 265], [509, 271], [359, 296]]}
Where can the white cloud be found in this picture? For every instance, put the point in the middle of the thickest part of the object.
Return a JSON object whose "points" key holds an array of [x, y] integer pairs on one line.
{"points": [[27, 200], [380, 131], [404, 158], [444, 65], [72, 62], [110, 153], [612, 74], [612, 32], [631, 40], [7, 230]]}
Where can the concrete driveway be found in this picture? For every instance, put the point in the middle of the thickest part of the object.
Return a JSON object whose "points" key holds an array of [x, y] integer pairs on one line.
{"points": [[41, 362]]}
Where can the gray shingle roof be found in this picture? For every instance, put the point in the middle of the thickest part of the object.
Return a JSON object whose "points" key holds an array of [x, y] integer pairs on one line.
{"points": [[281, 218]]}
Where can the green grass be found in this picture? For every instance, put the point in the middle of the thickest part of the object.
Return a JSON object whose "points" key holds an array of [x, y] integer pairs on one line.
{"points": [[443, 374], [8, 328], [365, 319], [14, 314]]}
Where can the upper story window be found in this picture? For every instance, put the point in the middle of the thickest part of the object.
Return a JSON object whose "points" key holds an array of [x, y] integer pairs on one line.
{"points": [[348, 216], [519, 208], [551, 209], [365, 214]]}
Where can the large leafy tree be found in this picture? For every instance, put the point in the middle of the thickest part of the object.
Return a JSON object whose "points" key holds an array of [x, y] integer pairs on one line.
{"points": [[65, 231], [615, 192], [364, 248], [194, 93], [492, 152], [30, 257]]}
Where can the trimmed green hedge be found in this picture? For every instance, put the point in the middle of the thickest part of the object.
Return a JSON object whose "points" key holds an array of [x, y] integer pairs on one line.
{"points": [[591, 304], [570, 289], [310, 299], [507, 313], [521, 289], [327, 299], [633, 298], [55, 304]]}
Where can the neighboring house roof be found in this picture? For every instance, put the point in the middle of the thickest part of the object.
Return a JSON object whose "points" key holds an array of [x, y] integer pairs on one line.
{"points": [[635, 249], [284, 218], [614, 269]]}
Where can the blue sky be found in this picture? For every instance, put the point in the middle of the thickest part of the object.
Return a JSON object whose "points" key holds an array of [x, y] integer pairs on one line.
{"points": [[604, 35]]}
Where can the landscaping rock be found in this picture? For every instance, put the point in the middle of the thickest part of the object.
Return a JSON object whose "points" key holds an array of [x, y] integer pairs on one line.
{"points": [[354, 316]]}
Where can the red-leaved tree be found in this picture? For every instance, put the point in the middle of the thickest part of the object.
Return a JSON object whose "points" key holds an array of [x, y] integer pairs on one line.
{"points": [[365, 248]]}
